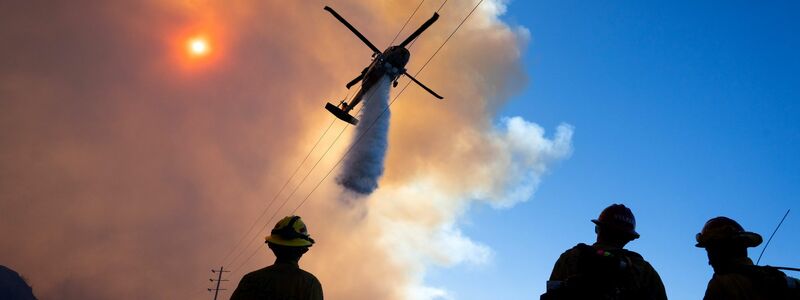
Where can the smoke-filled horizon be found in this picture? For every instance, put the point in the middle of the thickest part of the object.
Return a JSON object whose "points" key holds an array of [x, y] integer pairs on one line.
{"points": [[128, 168], [363, 165]]}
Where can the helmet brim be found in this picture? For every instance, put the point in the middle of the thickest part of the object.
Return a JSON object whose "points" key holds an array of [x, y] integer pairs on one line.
{"points": [[632, 232], [277, 240], [747, 239]]}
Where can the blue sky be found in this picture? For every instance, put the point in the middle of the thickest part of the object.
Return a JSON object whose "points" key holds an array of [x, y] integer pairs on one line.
{"points": [[682, 110]]}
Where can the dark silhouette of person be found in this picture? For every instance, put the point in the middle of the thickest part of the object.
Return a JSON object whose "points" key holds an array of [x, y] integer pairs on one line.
{"points": [[605, 270], [735, 277], [283, 280], [13, 286]]}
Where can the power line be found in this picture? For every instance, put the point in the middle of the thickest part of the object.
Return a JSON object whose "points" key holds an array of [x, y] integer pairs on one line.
{"points": [[287, 199], [450, 36], [368, 96], [437, 11], [266, 209], [440, 6], [291, 193], [264, 212], [406, 23], [297, 187]]}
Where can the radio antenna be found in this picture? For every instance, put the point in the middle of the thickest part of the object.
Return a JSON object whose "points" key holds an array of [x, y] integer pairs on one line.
{"points": [[770, 237]]}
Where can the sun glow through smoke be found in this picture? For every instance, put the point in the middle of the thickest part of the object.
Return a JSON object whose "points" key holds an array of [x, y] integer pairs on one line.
{"points": [[197, 51], [198, 46]]}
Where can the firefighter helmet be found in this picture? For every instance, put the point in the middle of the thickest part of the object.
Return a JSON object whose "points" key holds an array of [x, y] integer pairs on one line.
{"points": [[618, 217], [725, 230], [290, 231]]}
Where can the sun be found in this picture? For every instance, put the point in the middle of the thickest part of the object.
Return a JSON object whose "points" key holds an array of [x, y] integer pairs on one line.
{"points": [[198, 46]]}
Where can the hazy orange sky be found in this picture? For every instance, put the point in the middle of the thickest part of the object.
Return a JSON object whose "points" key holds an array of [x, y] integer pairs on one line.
{"points": [[129, 166]]}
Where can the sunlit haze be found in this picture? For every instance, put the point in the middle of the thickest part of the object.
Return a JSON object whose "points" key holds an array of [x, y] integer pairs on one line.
{"points": [[198, 46]]}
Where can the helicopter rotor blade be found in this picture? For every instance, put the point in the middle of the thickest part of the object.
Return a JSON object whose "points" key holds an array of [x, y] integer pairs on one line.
{"points": [[419, 30], [423, 86], [353, 29]]}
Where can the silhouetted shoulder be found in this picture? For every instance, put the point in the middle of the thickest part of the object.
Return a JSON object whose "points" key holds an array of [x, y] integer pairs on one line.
{"points": [[13, 286], [309, 275], [279, 281], [730, 286], [567, 263], [633, 255], [573, 252]]}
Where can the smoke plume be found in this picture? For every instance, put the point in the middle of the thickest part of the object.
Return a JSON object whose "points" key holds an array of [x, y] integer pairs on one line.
{"points": [[363, 165], [128, 169]]}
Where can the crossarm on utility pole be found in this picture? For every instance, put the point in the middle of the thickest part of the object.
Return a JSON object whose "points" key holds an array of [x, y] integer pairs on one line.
{"points": [[218, 280]]}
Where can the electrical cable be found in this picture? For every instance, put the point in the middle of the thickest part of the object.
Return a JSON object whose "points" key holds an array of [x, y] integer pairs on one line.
{"points": [[437, 11], [369, 95], [407, 20], [263, 212]]}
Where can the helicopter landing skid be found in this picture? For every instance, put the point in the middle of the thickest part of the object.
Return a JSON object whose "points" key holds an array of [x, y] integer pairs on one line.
{"points": [[339, 113]]}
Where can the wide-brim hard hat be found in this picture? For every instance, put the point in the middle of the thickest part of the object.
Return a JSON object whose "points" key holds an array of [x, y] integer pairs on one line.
{"points": [[726, 231], [290, 231], [624, 229], [747, 239], [619, 218]]}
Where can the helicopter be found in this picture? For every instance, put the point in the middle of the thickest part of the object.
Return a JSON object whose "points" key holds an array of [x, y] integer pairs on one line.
{"points": [[391, 62]]}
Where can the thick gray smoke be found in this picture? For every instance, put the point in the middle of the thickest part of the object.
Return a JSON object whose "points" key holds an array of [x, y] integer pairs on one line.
{"points": [[131, 167], [363, 166]]}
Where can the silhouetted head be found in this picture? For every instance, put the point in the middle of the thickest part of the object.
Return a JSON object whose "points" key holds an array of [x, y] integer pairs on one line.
{"points": [[289, 240], [725, 231], [725, 241], [287, 253], [616, 226]]}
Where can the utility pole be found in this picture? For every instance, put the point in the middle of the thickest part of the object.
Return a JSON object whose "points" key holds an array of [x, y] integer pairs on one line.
{"points": [[218, 280]]}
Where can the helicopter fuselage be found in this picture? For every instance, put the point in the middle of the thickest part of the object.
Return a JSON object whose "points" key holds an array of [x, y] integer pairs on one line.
{"points": [[391, 62]]}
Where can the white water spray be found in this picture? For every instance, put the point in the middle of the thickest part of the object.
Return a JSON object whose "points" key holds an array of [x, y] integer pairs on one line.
{"points": [[363, 166]]}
